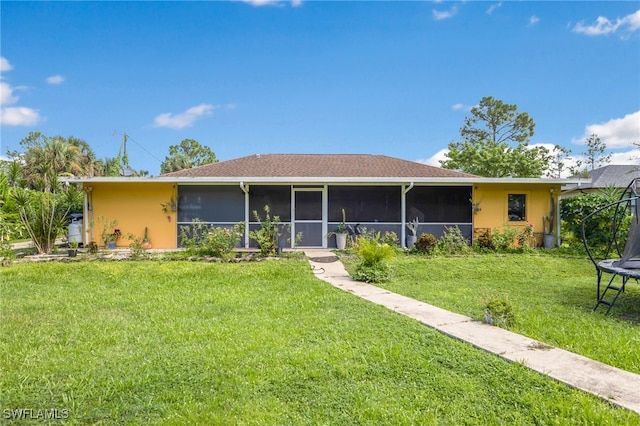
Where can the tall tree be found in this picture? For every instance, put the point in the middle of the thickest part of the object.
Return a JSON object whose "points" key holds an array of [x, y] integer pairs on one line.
{"points": [[189, 153], [46, 158], [595, 153], [557, 163], [495, 143]]}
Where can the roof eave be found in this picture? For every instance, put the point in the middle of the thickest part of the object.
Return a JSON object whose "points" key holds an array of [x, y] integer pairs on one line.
{"points": [[307, 179]]}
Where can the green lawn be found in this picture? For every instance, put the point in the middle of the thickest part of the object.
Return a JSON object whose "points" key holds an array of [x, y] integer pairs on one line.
{"points": [[250, 343], [553, 299]]}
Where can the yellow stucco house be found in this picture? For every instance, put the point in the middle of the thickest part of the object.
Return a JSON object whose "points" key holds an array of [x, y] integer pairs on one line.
{"points": [[309, 193]]}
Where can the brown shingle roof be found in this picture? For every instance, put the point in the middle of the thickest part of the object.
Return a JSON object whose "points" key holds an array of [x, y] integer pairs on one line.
{"points": [[317, 165]]}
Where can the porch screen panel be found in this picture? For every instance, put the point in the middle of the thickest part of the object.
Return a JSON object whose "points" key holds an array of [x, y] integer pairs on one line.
{"points": [[284, 231], [220, 204], [311, 234], [277, 197], [440, 204], [365, 203]]}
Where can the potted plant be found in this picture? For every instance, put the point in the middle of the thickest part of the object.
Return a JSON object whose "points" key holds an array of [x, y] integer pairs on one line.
{"points": [[146, 241], [171, 205], [413, 232], [73, 248], [109, 234], [112, 239], [341, 233]]}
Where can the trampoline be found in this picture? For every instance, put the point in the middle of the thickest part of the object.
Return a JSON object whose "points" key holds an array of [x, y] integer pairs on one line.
{"points": [[620, 259]]}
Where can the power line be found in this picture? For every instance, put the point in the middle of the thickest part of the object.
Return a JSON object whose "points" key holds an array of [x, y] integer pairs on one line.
{"points": [[129, 138]]}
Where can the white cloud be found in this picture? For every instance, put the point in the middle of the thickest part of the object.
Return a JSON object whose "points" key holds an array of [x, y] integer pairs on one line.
{"points": [[13, 116], [615, 133], [6, 94], [183, 119], [435, 159], [628, 157], [4, 64], [461, 107], [534, 20], [604, 26], [55, 79], [439, 15], [493, 7], [18, 116]]}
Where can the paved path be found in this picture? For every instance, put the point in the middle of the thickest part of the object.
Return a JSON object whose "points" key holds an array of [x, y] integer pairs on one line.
{"points": [[613, 384]]}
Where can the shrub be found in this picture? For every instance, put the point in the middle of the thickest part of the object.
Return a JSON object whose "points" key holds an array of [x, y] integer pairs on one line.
{"points": [[390, 238], [525, 236], [426, 243], [498, 311], [201, 239], [484, 241], [373, 257], [220, 242], [453, 242], [43, 214], [504, 238], [137, 248], [6, 252], [269, 233], [372, 274], [574, 209]]}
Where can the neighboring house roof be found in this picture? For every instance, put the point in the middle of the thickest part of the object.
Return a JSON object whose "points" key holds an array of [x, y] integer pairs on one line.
{"points": [[612, 175], [317, 165], [616, 175]]}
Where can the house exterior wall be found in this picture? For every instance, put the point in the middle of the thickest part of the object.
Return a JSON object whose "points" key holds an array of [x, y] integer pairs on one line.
{"points": [[135, 206], [492, 199]]}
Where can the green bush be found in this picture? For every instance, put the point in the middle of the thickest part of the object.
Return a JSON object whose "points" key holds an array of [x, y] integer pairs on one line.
{"points": [[453, 242], [269, 233], [390, 238], [372, 260], [138, 249], [499, 312], [525, 237], [426, 243], [43, 214], [201, 239], [598, 230], [7, 255], [372, 274], [503, 238], [484, 241], [220, 242]]}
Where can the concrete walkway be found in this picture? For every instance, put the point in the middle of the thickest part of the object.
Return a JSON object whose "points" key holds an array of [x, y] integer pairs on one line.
{"points": [[613, 384]]}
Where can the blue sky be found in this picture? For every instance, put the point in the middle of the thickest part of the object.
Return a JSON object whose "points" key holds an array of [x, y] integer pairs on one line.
{"points": [[393, 78]]}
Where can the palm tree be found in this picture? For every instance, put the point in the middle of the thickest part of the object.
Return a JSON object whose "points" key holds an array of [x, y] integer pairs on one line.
{"points": [[47, 158], [88, 156]]}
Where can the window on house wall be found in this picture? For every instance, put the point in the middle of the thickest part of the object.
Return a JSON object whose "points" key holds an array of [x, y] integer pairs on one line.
{"points": [[517, 207]]}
